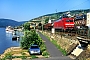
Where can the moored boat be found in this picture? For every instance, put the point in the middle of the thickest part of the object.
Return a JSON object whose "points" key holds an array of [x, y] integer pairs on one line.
{"points": [[9, 29], [15, 37]]}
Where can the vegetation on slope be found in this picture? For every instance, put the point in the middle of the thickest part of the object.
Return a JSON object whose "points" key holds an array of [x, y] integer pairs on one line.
{"points": [[58, 14]]}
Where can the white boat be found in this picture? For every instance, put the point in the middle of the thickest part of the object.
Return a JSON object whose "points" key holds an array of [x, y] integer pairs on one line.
{"points": [[9, 29]]}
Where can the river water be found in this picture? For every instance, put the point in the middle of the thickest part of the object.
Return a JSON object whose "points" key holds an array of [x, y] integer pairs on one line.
{"points": [[6, 40]]}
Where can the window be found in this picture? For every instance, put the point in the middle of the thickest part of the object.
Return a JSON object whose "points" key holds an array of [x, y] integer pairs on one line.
{"points": [[32, 47], [69, 20], [59, 19]]}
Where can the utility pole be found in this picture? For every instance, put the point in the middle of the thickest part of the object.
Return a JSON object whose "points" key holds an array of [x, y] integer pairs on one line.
{"points": [[34, 25], [56, 13], [43, 21]]}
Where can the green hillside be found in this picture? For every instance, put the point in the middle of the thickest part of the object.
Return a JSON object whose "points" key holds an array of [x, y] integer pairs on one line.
{"points": [[58, 14]]}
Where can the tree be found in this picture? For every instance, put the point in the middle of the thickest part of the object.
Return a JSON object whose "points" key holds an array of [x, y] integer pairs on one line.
{"points": [[26, 26], [30, 37], [46, 20]]}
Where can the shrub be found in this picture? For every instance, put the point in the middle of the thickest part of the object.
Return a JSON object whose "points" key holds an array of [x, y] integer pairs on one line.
{"points": [[30, 37], [43, 47], [45, 53], [26, 26]]}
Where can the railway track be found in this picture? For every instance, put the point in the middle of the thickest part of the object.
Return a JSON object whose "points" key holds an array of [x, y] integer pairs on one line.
{"points": [[70, 34]]}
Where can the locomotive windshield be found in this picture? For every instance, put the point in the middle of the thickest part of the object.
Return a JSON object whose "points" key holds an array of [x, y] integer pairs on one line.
{"points": [[69, 20]]}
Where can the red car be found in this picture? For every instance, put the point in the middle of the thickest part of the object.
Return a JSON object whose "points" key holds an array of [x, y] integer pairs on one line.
{"points": [[64, 23]]}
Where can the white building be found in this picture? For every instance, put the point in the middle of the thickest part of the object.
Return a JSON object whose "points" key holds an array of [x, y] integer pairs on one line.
{"points": [[88, 20]]}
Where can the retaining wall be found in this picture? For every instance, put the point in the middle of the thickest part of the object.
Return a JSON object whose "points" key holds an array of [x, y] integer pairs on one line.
{"points": [[65, 43]]}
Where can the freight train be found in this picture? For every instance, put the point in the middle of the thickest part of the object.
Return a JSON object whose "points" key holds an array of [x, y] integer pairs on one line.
{"points": [[65, 23], [48, 26], [79, 23]]}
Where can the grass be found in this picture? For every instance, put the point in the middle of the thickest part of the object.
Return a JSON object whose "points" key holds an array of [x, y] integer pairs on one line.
{"points": [[15, 52], [33, 57], [58, 46], [22, 57], [7, 56], [23, 53]]}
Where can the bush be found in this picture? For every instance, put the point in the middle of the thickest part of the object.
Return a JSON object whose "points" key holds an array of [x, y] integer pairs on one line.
{"points": [[43, 47], [30, 37], [26, 26], [45, 53]]}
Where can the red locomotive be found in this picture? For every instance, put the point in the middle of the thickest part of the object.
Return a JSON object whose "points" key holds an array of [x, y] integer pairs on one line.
{"points": [[64, 23]]}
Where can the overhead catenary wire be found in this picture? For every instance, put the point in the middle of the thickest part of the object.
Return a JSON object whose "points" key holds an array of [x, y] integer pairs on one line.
{"points": [[62, 4], [80, 4], [74, 6], [66, 2]]}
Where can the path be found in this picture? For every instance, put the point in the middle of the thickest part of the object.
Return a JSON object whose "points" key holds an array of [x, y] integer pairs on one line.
{"points": [[55, 54]]}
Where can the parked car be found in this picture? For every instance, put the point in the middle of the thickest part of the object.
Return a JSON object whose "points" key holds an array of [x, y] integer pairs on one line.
{"points": [[34, 49]]}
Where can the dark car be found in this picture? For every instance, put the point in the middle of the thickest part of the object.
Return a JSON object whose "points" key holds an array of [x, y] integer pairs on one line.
{"points": [[34, 49]]}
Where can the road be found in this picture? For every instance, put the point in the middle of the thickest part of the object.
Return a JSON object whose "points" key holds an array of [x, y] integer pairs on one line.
{"points": [[55, 54]]}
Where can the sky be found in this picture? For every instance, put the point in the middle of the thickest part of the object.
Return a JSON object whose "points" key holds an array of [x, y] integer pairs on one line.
{"points": [[24, 10]]}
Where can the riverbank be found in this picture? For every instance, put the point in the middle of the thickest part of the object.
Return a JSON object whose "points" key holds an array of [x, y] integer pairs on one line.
{"points": [[22, 53], [66, 44], [9, 50], [16, 53]]}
